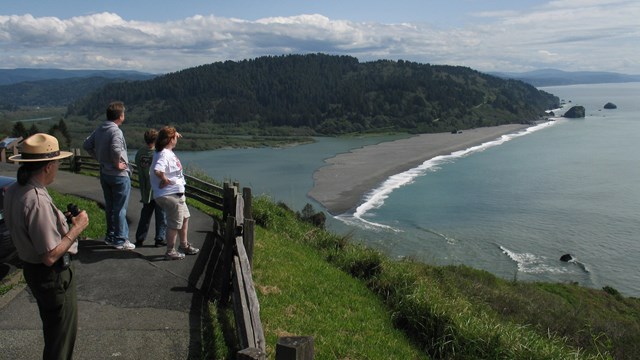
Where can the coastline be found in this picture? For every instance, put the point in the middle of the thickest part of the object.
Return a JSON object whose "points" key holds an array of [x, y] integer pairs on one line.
{"points": [[341, 185]]}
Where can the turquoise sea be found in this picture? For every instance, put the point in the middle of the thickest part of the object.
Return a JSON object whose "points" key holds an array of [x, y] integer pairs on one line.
{"points": [[511, 207]]}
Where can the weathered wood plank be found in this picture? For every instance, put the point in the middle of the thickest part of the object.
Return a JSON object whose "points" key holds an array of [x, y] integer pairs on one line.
{"points": [[241, 307], [248, 238], [203, 193], [205, 184], [251, 354], [254, 304], [227, 259]]}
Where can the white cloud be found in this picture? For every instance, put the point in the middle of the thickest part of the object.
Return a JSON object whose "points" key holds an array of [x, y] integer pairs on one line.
{"points": [[568, 34], [548, 54]]}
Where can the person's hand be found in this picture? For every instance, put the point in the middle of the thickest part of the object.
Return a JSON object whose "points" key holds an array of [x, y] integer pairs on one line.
{"points": [[122, 165], [164, 183], [81, 221]]}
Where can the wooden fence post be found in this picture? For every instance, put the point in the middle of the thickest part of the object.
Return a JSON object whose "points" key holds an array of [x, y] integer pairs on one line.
{"points": [[226, 207], [75, 162], [227, 260], [295, 348], [248, 210], [229, 201]]}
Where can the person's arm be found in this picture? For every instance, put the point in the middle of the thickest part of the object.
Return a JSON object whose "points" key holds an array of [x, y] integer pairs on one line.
{"points": [[164, 181], [89, 144], [80, 223], [118, 150], [159, 168]]}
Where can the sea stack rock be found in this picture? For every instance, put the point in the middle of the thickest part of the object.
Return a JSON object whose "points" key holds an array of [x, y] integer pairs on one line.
{"points": [[566, 257], [610, 105], [575, 112]]}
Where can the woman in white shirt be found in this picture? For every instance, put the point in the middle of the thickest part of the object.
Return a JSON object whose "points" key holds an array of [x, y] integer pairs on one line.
{"points": [[168, 183]]}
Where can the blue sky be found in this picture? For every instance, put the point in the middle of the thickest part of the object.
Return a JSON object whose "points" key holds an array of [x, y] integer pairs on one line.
{"points": [[165, 36]]}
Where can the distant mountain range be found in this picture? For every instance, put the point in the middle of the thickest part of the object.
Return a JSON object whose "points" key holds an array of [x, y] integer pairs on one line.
{"points": [[552, 77], [14, 76], [56, 87]]}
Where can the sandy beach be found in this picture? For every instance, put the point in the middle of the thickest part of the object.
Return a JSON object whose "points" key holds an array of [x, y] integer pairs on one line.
{"points": [[342, 184]]}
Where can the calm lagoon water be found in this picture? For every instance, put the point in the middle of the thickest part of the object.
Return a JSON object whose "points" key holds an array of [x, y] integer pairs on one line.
{"points": [[511, 207]]}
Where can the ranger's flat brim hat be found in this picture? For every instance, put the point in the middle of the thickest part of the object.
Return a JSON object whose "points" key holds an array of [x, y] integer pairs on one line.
{"points": [[40, 147]]}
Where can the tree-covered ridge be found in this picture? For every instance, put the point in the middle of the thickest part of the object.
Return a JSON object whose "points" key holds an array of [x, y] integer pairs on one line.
{"points": [[325, 94]]}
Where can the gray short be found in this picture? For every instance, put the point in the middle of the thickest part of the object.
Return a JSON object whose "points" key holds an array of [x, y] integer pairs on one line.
{"points": [[176, 209]]}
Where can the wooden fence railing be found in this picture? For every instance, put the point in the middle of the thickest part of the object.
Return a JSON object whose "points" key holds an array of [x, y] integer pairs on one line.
{"points": [[235, 260]]}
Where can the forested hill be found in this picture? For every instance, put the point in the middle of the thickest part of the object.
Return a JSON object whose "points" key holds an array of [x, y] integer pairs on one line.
{"points": [[323, 94]]}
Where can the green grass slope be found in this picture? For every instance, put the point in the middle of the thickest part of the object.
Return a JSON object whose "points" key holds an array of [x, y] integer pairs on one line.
{"points": [[450, 312]]}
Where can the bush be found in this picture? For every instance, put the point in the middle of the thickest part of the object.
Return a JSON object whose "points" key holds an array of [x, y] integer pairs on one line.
{"points": [[611, 291]]}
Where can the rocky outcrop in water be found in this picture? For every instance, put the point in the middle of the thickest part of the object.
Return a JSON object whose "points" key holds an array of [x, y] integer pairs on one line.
{"points": [[575, 112], [610, 105], [566, 257]]}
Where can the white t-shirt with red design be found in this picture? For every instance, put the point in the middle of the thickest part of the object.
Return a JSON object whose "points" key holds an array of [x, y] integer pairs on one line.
{"points": [[167, 162]]}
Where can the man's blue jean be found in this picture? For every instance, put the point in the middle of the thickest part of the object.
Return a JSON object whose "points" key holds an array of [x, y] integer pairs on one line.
{"points": [[145, 219], [116, 191]]}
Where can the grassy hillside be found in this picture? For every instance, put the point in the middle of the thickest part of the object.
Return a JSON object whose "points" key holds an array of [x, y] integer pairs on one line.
{"points": [[451, 312]]}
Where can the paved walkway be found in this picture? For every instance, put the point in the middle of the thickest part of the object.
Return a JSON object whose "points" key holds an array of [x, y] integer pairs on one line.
{"points": [[131, 304]]}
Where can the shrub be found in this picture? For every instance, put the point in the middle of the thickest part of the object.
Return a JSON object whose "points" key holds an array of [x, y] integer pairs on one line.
{"points": [[611, 291]]}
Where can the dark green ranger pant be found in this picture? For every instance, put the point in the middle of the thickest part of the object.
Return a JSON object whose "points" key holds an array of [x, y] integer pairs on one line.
{"points": [[55, 291]]}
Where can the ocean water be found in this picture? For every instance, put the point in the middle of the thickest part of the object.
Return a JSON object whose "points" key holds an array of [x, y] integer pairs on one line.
{"points": [[514, 206], [511, 207]]}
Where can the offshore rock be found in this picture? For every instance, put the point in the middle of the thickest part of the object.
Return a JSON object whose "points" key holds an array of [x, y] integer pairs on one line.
{"points": [[610, 105], [566, 257], [575, 112]]}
